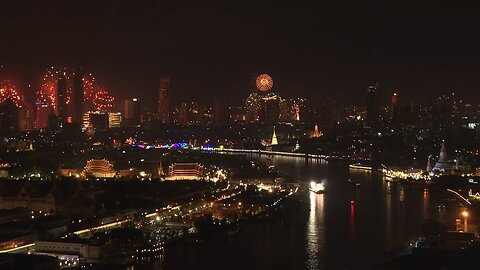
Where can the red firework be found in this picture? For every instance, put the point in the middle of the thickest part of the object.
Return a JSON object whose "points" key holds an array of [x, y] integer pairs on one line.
{"points": [[95, 97], [9, 91], [47, 93], [89, 90], [103, 100]]}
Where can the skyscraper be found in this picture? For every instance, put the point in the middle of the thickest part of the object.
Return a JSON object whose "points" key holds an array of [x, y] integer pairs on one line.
{"points": [[78, 96], [394, 107], [25, 117], [373, 108], [131, 112], [164, 100], [62, 100], [42, 112]]}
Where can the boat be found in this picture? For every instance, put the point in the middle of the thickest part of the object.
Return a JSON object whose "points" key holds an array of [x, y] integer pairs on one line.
{"points": [[318, 188], [360, 166]]}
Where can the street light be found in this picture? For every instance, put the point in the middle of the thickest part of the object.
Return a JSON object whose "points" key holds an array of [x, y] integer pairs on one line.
{"points": [[465, 215]]}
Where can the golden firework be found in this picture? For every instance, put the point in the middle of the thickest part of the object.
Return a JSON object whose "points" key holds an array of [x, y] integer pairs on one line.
{"points": [[264, 82]]}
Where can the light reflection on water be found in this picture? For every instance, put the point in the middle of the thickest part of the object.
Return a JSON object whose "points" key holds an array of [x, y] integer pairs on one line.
{"points": [[315, 232]]}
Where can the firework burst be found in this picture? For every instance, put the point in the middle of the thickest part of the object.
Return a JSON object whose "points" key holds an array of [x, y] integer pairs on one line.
{"points": [[264, 82], [9, 91], [103, 100], [95, 96], [47, 93]]}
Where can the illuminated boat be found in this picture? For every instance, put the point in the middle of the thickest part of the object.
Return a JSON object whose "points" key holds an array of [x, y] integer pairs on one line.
{"points": [[318, 188], [360, 166]]}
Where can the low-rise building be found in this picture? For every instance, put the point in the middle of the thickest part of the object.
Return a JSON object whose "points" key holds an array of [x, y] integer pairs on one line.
{"points": [[185, 171]]}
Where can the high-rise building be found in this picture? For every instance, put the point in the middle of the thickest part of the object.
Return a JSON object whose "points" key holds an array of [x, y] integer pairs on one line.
{"points": [[394, 107], [78, 96], [43, 110], [62, 100], [131, 112], [164, 100], [394, 100], [25, 117], [373, 107], [8, 118]]}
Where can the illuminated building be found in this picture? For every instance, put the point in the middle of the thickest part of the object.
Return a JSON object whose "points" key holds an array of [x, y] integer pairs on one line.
{"points": [[114, 119], [164, 100], [78, 96], [185, 171], [373, 107], [25, 118], [131, 112], [62, 100], [8, 118], [86, 120], [100, 168], [31, 197], [68, 252], [42, 113]]}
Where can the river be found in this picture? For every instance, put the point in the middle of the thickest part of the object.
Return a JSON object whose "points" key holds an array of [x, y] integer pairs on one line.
{"points": [[325, 231]]}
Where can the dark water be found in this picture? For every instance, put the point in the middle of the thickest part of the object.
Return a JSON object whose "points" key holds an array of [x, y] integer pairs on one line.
{"points": [[321, 231]]}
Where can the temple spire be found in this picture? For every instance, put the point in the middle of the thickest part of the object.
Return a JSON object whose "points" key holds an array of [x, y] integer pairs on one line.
{"points": [[442, 159], [429, 164], [316, 132], [274, 137]]}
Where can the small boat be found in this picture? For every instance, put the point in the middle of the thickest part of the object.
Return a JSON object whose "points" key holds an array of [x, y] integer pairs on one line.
{"points": [[318, 188]]}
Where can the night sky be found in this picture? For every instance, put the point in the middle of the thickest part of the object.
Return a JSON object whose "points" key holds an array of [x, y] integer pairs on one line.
{"points": [[213, 50]]}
